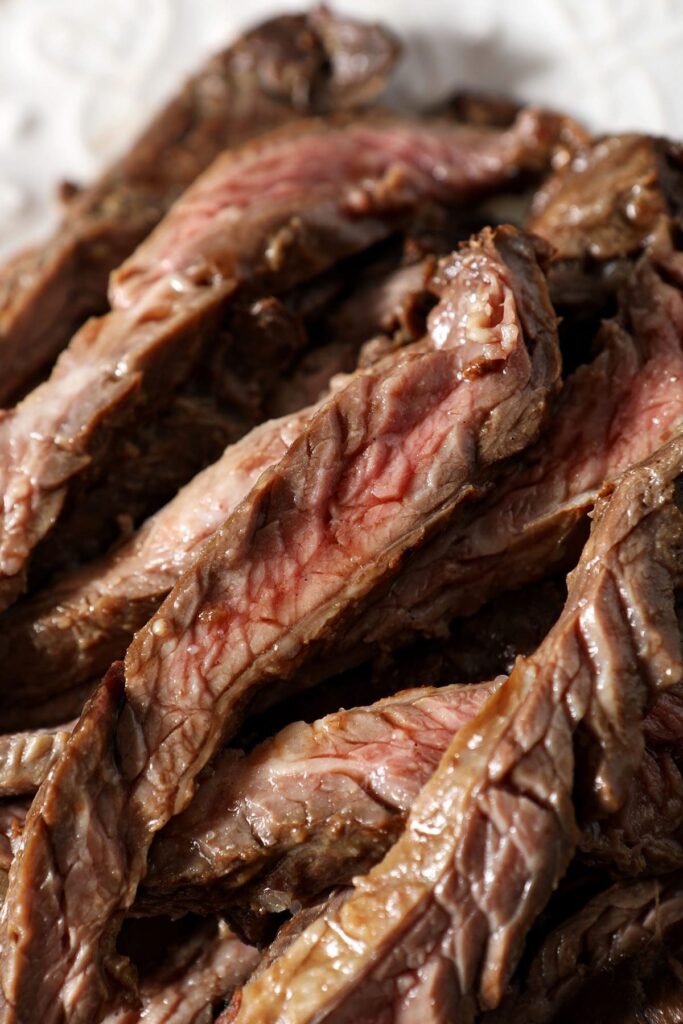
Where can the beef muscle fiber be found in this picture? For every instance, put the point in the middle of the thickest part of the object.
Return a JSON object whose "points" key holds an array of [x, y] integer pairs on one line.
{"points": [[387, 462]]}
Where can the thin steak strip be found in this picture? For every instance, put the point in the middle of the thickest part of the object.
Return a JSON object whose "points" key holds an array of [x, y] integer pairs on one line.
{"points": [[306, 809], [284, 68], [69, 633], [302, 812], [266, 216], [387, 462], [480, 647], [616, 925], [72, 631], [438, 926], [609, 415]]}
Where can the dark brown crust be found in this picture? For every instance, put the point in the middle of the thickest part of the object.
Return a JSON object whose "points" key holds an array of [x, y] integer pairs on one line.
{"points": [[494, 830], [144, 762], [282, 69]]}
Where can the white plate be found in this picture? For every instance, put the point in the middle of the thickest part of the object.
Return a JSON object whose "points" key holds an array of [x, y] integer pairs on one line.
{"points": [[79, 78]]}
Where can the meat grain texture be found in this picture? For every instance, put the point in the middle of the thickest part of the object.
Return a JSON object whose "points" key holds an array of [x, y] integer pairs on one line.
{"points": [[261, 219], [435, 931], [378, 469], [281, 70], [506, 850]]}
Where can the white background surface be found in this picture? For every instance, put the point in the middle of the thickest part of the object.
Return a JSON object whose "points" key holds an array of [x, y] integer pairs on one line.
{"points": [[79, 78]]}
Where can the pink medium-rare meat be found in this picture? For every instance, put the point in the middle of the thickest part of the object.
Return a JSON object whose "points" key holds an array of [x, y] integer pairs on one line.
{"points": [[609, 415], [383, 465], [480, 647], [336, 172], [528, 524], [268, 215], [436, 929], [284, 68], [71, 632], [307, 809]]}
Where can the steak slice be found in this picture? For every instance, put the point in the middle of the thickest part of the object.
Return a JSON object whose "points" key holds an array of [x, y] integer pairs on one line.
{"points": [[481, 647], [264, 217], [302, 812], [70, 632], [285, 67], [197, 978], [601, 210], [477, 648], [614, 926], [438, 926], [378, 470], [537, 516], [307, 809], [646, 833]]}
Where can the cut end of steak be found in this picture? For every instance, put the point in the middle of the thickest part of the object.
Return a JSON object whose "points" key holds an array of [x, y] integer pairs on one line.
{"points": [[442, 920], [385, 464]]}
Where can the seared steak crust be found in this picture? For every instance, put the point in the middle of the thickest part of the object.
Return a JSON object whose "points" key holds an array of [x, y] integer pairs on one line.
{"points": [[616, 925], [315, 538], [262, 218], [438, 926], [285, 68]]}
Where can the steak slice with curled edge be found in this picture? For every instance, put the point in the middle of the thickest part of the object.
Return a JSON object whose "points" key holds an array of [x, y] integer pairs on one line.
{"points": [[387, 462], [262, 218], [307, 809], [436, 929], [284, 68]]}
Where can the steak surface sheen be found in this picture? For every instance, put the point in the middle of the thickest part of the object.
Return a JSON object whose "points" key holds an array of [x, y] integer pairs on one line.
{"points": [[261, 219], [386, 463], [282, 69], [435, 931]]}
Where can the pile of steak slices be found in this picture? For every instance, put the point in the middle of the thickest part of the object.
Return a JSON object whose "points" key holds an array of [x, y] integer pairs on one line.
{"points": [[341, 556]]}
